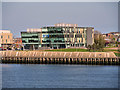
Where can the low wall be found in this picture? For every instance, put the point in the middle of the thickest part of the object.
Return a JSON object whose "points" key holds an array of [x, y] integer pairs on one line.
{"points": [[40, 57]]}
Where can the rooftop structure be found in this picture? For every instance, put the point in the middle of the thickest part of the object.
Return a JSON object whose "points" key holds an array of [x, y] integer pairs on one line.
{"points": [[58, 36], [4, 31], [34, 30], [66, 25]]}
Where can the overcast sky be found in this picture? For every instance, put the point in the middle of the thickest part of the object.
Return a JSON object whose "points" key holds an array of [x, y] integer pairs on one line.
{"points": [[19, 16]]}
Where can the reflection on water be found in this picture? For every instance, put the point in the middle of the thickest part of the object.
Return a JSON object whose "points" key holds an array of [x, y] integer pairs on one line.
{"points": [[59, 76]]}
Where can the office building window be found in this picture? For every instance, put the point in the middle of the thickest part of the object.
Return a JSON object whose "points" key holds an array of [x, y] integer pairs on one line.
{"points": [[82, 39], [1, 36]]}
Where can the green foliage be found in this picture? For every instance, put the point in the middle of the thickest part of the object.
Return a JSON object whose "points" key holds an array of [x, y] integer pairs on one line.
{"points": [[114, 39], [117, 54], [89, 47], [79, 50], [94, 46], [118, 49], [69, 50], [99, 44]]}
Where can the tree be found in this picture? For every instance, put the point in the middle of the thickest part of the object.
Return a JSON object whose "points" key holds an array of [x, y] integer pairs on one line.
{"points": [[94, 47], [99, 42], [116, 43], [96, 39], [97, 32], [89, 47]]}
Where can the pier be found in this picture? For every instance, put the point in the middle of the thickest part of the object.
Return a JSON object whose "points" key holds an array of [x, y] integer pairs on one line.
{"points": [[43, 57]]}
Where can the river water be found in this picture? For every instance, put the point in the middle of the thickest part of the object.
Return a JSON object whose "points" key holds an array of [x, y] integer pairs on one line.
{"points": [[59, 76]]}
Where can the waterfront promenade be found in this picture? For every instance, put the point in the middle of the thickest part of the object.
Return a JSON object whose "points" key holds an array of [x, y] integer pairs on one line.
{"points": [[48, 57]]}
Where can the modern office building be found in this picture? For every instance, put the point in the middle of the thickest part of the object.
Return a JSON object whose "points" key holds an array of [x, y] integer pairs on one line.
{"points": [[58, 36], [31, 38], [6, 38]]}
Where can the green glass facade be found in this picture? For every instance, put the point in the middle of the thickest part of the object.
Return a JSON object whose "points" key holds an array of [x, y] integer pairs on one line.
{"points": [[53, 37], [31, 40], [57, 37]]}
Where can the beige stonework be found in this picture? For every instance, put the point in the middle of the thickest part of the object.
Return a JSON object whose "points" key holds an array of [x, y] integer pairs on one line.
{"points": [[6, 37]]}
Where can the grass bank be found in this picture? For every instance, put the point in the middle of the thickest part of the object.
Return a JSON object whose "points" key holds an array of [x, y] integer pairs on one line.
{"points": [[117, 54], [69, 50], [80, 50]]}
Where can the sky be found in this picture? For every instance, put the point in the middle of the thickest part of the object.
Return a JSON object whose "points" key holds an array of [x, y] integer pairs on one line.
{"points": [[18, 16]]}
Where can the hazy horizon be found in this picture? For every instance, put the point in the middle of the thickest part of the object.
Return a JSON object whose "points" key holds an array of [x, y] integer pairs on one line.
{"points": [[19, 16]]}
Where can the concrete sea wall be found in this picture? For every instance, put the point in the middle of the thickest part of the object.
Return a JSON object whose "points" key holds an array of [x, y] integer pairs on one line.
{"points": [[42, 57]]}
